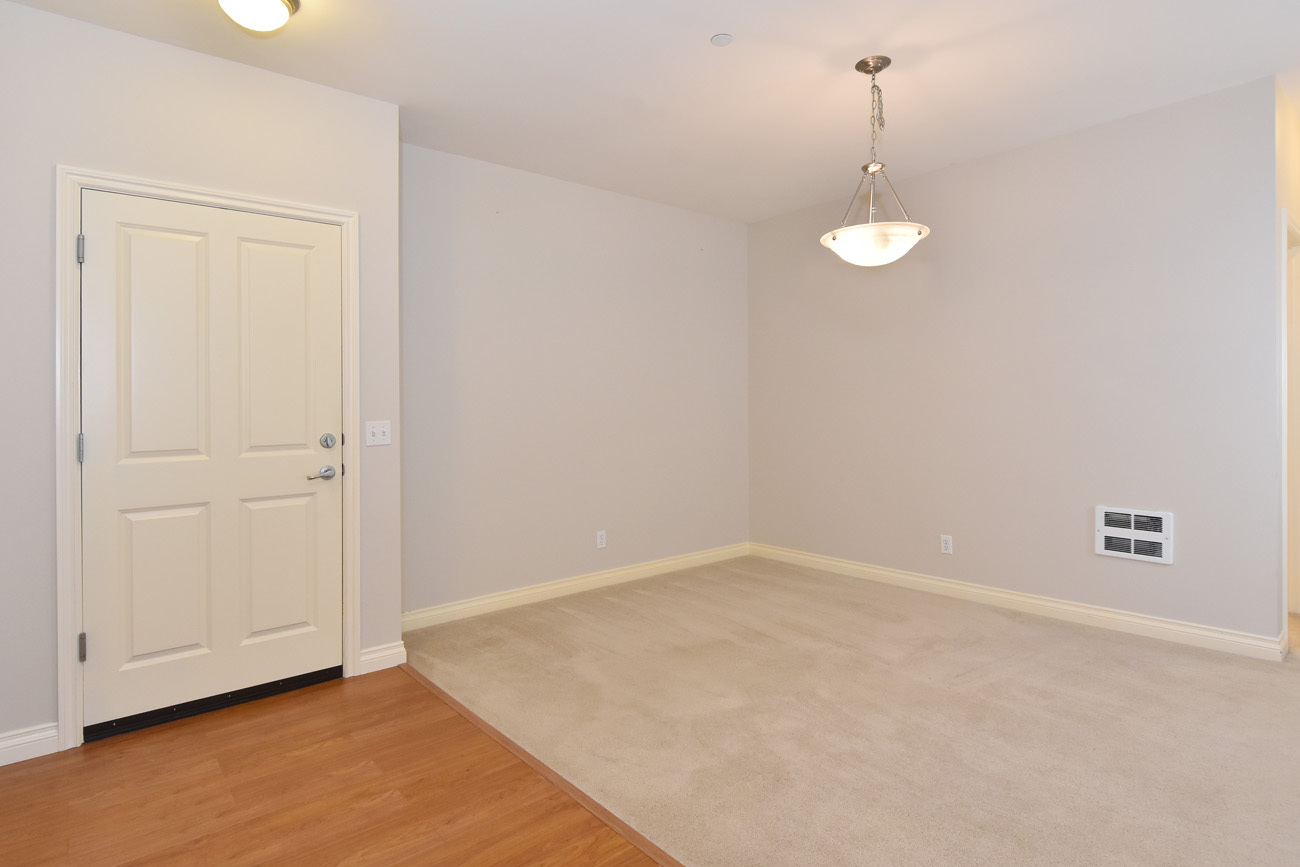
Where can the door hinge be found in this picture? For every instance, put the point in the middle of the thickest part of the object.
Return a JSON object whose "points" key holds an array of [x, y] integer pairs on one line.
{"points": [[81, 647], [81, 448], [343, 469], [81, 249]]}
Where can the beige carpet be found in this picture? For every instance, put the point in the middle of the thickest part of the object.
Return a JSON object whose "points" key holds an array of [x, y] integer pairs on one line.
{"points": [[753, 713]]}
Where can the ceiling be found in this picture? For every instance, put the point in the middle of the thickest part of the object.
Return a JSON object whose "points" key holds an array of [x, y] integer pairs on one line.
{"points": [[632, 97]]}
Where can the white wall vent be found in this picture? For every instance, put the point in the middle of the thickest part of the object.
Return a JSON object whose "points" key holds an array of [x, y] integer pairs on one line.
{"points": [[1136, 534]]}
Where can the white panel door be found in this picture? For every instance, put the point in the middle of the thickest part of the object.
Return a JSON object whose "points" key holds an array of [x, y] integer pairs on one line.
{"points": [[211, 368]]}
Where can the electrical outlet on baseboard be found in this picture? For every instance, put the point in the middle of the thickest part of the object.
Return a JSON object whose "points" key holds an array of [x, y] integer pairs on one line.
{"points": [[945, 544], [600, 538]]}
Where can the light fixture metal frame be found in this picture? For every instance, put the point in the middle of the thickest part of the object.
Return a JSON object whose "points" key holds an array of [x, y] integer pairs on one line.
{"points": [[872, 66]]}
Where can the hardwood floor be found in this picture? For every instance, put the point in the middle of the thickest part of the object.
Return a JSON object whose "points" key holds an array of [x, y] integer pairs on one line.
{"points": [[370, 770]]}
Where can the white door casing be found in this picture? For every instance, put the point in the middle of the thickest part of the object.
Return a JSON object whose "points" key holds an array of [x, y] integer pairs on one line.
{"points": [[72, 183], [210, 369], [1292, 348]]}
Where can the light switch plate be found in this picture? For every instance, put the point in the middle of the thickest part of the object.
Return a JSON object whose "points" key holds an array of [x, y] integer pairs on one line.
{"points": [[379, 433]]}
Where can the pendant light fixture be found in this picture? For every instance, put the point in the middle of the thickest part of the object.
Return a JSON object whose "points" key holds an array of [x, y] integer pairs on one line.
{"points": [[260, 15], [872, 242]]}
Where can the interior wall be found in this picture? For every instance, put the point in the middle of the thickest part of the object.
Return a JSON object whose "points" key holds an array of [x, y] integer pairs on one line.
{"points": [[1093, 321], [83, 96], [573, 360]]}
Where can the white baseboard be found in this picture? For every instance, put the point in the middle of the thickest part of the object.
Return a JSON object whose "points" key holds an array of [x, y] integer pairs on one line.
{"points": [[380, 657], [1241, 643], [29, 743], [413, 620], [1196, 635]]}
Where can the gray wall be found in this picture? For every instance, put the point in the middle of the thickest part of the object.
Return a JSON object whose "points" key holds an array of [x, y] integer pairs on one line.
{"points": [[83, 96], [1094, 321], [572, 360]]}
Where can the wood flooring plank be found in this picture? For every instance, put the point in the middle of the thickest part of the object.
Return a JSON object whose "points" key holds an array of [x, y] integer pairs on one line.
{"points": [[372, 770]]}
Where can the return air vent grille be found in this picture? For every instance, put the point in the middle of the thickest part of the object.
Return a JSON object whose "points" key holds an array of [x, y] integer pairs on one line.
{"points": [[1135, 534], [1144, 548], [1123, 520], [1119, 545], [1149, 523]]}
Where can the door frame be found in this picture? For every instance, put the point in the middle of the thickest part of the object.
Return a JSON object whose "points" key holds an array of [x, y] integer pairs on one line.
{"points": [[70, 184], [1290, 295]]}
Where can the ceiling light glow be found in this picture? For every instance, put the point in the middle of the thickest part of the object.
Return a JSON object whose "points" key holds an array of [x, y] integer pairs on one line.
{"points": [[260, 15]]}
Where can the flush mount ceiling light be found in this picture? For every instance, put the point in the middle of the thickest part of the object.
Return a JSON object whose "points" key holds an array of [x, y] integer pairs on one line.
{"points": [[872, 242], [260, 15]]}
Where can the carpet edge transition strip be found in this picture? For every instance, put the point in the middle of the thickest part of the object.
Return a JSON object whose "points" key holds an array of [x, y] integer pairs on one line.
{"points": [[633, 836]]}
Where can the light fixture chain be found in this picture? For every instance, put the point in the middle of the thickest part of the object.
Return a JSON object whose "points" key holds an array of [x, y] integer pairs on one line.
{"points": [[877, 113]]}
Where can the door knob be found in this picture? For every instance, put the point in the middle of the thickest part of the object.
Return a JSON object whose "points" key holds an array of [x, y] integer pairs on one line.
{"points": [[325, 473]]}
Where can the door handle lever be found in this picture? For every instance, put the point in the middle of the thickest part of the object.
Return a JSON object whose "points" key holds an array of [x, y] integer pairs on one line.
{"points": [[325, 473]]}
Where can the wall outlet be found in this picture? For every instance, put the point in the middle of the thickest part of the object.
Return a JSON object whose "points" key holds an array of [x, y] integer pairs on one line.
{"points": [[379, 433], [600, 538], [945, 544]]}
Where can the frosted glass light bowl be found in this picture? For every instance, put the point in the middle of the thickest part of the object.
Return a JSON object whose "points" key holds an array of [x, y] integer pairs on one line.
{"points": [[262, 16], [874, 243]]}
